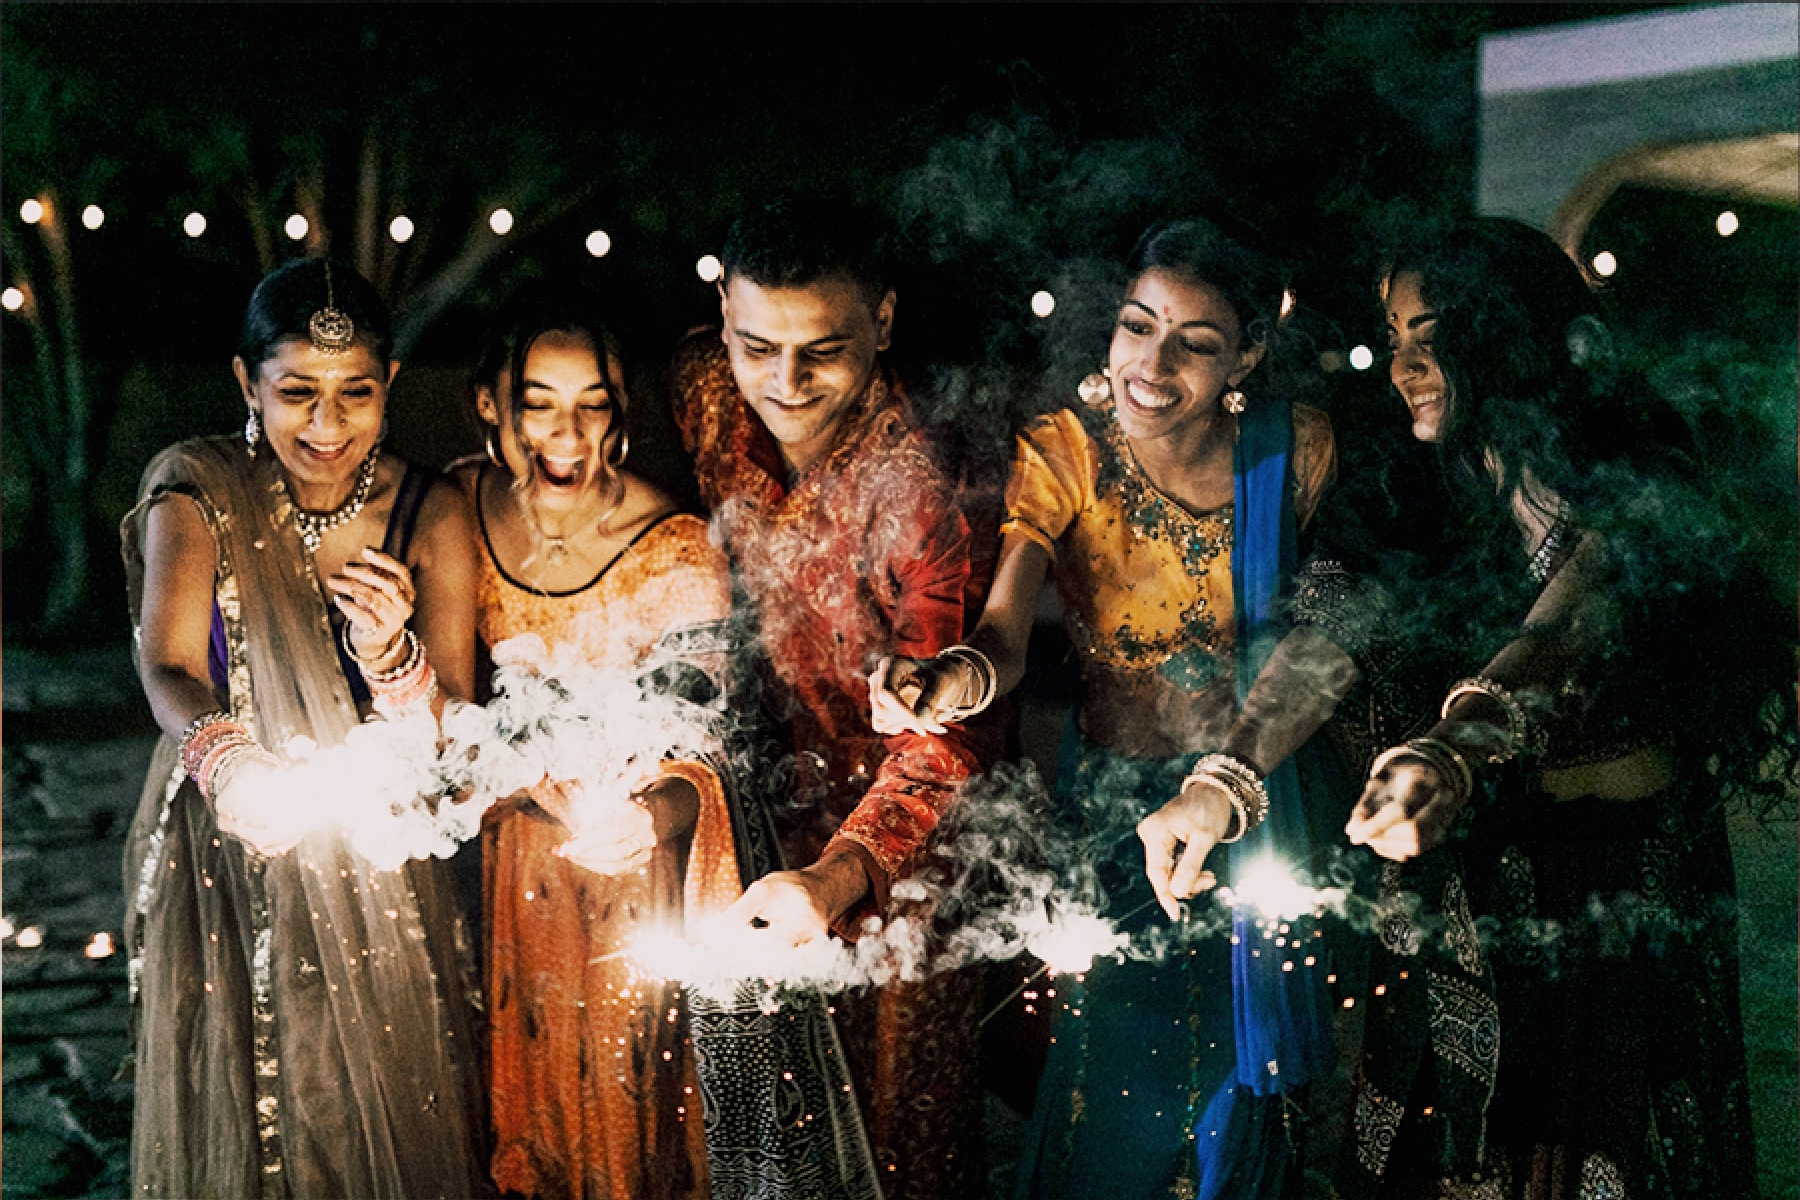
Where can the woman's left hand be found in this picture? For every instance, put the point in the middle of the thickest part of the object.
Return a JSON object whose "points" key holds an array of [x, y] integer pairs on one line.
{"points": [[1404, 811], [611, 840], [376, 595]]}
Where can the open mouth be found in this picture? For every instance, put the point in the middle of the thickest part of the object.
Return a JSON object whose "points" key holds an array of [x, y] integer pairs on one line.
{"points": [[325, 453], [1429, 404], [561, 472], [1150, 399]]}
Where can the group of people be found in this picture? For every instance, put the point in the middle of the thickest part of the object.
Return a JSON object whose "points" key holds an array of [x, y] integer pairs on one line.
{"points": [[1476, 659]]}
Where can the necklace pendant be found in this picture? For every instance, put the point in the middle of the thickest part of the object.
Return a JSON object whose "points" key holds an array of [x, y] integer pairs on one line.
{"points": [[555, 551]]}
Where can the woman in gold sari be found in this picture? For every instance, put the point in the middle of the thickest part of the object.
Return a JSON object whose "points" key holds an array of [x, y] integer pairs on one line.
{"points": [[301, 1016]]}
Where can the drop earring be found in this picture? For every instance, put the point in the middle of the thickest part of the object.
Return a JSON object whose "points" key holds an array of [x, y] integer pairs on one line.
{"points": [[1096, 390], [1235, 401], [252, 432], [487, 443]]}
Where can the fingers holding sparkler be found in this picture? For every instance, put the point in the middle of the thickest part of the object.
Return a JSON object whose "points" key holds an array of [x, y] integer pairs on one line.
{"points": [[1405, 810], [1194, 821]]}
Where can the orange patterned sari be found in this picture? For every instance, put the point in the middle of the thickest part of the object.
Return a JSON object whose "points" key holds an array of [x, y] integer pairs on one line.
{"points": [[594, 1089]]}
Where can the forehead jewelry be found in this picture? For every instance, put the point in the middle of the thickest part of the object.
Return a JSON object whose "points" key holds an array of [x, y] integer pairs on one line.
{"points": [[331, 330]]}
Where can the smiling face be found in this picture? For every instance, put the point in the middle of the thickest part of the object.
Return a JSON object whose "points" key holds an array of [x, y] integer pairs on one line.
{"points": [[802, 356], [1411, 329], [556, 435], [1177, 348], [320, 412]]}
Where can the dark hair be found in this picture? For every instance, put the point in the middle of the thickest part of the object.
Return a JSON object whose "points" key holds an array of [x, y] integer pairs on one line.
{"points": [[1522, 344], [527, 315], [1198, 251], [792, 242], [283, 304]]}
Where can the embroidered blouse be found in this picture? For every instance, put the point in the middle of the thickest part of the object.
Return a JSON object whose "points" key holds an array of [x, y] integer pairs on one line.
{"points": [[1145, 584]]}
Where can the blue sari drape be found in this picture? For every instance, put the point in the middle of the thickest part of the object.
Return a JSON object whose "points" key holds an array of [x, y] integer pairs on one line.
{"points": [[1281, 1019]]}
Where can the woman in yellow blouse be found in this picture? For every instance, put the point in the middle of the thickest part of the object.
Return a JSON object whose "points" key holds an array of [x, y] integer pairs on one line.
{"points": [[1167, 510]]}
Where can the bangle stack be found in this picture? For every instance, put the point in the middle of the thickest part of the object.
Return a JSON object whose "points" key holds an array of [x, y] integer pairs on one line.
{"points": [[1523, 735], [212, 746], [411, 683], [1242, 785], [1437, 754], [986, 677]]}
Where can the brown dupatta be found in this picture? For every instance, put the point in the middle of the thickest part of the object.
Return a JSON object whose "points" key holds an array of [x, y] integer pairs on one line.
{"points": [[302, 1022]]}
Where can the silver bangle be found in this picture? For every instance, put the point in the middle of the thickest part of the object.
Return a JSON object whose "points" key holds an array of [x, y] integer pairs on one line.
{"points": [[1435, 753], [987, 678], [1522, 734], [407, 663], [1241, 784]]}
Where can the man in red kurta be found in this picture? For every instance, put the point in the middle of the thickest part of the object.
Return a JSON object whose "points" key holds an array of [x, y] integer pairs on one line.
{"points": [[848, 543]]}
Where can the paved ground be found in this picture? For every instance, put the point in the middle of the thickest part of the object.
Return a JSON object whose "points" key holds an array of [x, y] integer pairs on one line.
{"points": [[76, 743]]}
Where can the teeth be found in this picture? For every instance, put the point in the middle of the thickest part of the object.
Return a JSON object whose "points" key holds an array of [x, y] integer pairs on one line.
{"points": [[1147, 397]]}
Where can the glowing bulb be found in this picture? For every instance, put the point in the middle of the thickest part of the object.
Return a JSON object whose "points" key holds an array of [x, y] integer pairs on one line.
{"points": [[92, 217], [12, 299], [1287, 303], [194, 224], [709, 268], [1043, 304], [500, 221], [1361, 357], [296, 227], [31, 212], [31, 937], [101, 946], [401, 229], [6, 927], [1605, 264], [598, 243], [1727, 223]]}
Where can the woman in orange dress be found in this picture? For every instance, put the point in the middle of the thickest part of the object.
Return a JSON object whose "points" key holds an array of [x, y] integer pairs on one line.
{"points": [[593, 1085]]}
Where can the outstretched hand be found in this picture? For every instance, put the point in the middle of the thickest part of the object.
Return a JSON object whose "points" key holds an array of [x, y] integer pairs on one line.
{"points": [[782, 911], [915, 695], [1405, 810], [1192, 823]]}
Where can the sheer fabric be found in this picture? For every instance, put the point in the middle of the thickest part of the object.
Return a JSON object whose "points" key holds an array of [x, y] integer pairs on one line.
{"points": [[302, 1020]]}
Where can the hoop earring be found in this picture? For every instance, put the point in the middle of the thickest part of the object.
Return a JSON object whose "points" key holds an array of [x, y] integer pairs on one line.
{"points": [[487, 443], [1235, 402], [252, 432], [617, 459], [1096, 390]]}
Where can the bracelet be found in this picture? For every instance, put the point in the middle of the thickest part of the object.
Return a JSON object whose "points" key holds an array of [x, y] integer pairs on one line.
{"points": [[203, 729], [1522, 734], [1241, 783], [411, 683], [986, 677], [1437, 754], [363, 663]]}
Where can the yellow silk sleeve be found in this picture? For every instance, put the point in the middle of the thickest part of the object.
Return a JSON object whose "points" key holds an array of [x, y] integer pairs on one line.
{"points": [[1052, 479]]}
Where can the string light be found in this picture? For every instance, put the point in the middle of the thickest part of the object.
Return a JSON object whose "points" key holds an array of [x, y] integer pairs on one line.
{"points": [[401, 229], [709, 268], [598, 243], [31, 212], [1605, 264], [92, 217], [194, 224], [1727, 224], [500, 221], [1287, 302], [1361, 357], [12, 300], [100, 946], [1043, 304], [30, 937], [296, 227]]}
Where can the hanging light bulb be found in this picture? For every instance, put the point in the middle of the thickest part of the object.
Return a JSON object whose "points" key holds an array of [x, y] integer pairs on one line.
{"points": [[194, 224], [709, 268], [296, 227], [1605, 264], [12, 300], [1043, 303], [598, 243], [500, 221], [1361, 357], [401, 229], [92, 217]]}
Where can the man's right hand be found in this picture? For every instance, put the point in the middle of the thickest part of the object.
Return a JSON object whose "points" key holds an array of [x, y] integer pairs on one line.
{"points": [[916, 695]]}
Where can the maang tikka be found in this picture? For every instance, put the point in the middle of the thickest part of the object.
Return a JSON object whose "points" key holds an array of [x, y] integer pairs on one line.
{"points": [[331, 330]]}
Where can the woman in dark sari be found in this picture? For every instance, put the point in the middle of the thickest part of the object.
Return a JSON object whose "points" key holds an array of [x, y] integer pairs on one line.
{"points": [[1614, 654]]}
